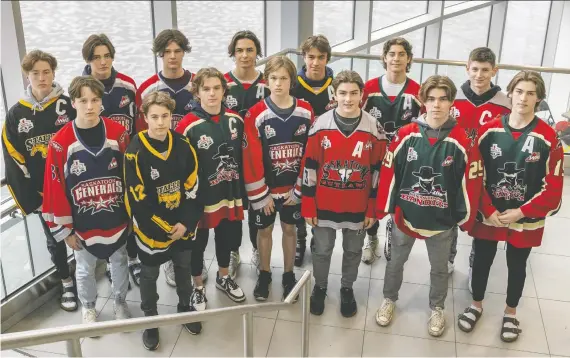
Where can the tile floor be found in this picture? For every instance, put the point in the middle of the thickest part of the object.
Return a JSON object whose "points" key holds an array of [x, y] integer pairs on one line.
{"points": [[544, 311]]}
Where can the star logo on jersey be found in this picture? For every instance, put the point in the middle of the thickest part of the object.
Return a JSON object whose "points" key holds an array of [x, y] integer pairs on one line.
{"points": [[95, 195], [77, 167], [269, 132], [231, 102], [344, 174], [425, 192], [533, 158], [375, 112], [412, 155], [25, 125], [495, 151], [325, 143], [286, 157], [154, 174], [510, 186], [125, 100], [61, 120], [302, 129], [113, 164], [448, 161], [454, 112], [205, 142]]}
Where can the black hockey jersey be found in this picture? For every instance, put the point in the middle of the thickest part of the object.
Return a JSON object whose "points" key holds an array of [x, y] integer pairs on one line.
{"points": [[242, 96], [161, 191], [28, 128], [319, 94], [218, 143]]}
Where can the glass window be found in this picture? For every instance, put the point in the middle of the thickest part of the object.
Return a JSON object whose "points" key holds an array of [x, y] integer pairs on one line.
{"points": [[209, 37], [16, 263], [523, 44], [335, 20], [387, 13], [61, 27], [460, 35], [416, 38], [342, 64], [2, 119], [451, 3]]}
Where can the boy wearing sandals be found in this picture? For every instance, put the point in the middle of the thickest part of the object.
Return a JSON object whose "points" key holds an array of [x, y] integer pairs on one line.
{"points": [[523, 163]]}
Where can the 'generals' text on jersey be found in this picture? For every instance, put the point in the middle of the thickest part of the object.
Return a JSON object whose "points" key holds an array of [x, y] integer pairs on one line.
{"points": [[241, 96]]}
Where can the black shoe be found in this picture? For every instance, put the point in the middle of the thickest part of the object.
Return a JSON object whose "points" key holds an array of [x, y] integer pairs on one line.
{"points": [[318, 300], [263, 285], [193, 328], [135, 271], [288, 282], [151, 339], [347, 302], [232, 290], [301, 231], [300, 251]]}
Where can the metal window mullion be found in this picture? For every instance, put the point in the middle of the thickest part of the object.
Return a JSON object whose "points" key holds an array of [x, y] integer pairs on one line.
{"points": [[13, 51], [432, 38], [362, 32], [551, 38]]}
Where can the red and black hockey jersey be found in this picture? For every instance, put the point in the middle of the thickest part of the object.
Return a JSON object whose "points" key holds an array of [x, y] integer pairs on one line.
{"points": [[161, 192], [523, 169], [472, 111], [392, 112], [28, 128], [241, 96], [340, 176], [183, 97], [319, 94], [429, 187], [273, 150], [83, 189], [218, 143]]}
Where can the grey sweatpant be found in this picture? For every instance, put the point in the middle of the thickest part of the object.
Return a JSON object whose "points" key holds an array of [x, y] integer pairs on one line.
{"points": [[352, 241], [438, 247]]}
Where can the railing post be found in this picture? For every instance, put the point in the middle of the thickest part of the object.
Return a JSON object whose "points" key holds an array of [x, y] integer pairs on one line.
{"points": [[305, 301], [74, 348], [248, 334]]}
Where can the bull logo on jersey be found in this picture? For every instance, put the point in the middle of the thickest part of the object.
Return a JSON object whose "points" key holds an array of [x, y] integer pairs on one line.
{"points": [[169, 194], [25, 125], [125, 100], [302, 129], [425, 192], [375, 112], [122, 120], [269, 132], [227, 169], [345, 174], [38, 145], [61, 120], [510, 186], [205, 142], [77, 167], [95, 195], [231, 102], [286, 157]]}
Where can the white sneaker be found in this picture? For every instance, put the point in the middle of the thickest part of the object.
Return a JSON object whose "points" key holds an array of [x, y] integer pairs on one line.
{"points": [[370, 252], [198, 299], [235, 261], [385, 313], [121, 310], [450, 267], [204, 271], [255, 259], [471, 279], [436, 324], [169, 273], [89, 315]]}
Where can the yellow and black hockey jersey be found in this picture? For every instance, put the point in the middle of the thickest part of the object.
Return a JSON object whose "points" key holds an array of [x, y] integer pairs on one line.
{"points": [[161, 191]]}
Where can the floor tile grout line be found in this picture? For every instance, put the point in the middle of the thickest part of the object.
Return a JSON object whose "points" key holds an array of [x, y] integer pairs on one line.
{"points": [[366, 312], [504, 349], [538, 303], [175, 343], [454, 314], [271, 338]]}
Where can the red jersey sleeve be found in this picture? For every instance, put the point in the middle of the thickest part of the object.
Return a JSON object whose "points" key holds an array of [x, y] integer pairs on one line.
{"points": [[472, 184], [253, 171]]}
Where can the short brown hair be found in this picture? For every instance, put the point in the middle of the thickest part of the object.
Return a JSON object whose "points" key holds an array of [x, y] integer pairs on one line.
{"points": [[442, 82], [164, 38], [94, 41], [160, 98], [34, 56], [483, 54], [203, 74], [276, 62], [530, 76], [398, 41], [244, 34], [91, 82], [320, 42], [347, 76]]}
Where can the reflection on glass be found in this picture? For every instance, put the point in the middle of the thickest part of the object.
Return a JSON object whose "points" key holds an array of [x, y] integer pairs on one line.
{"points": [[335, 20], [387, 13], [15, 257]]}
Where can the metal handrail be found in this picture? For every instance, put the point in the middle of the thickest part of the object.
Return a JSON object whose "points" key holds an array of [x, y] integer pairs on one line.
{"points": [[71, 334]]}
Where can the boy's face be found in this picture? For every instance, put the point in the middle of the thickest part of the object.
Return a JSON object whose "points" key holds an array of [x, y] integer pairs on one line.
{"points": [[173, 56], [316, 62], [102, 62], [211, 92], [480, 74], [348, 96], [524, 97], [245, 53], [158, 119], [279, 82], [397, 59], [438, 104], [41, 77], [88, 106]]}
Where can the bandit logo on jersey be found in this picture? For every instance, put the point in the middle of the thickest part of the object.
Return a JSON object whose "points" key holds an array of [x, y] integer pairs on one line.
{"points": [[124, 101], [122, 120], [38, 144], [227, 169], [113, 164], [344, 174], [231, 102], [510, 186], [425, 192], [495, 151], [77, 167], [375, 112], [286, 157], [412, 155], [205, 142], [169, 194], [95, 195], [302, 129], [269, 132], [25, 125], [448, 161], [61, 120]]}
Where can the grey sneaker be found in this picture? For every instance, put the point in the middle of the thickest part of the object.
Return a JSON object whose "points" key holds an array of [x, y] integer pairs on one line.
{"points": [[121, 310], [385, 313], [169, 273], [436, 324], [89, 315], [370, 252], [235, 261]]}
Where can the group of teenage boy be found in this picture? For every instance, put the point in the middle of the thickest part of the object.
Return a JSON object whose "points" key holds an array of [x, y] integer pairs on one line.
{"points": [[139, 176]]}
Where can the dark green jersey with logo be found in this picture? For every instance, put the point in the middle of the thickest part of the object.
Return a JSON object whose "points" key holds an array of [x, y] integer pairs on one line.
{"points": [[242, 96]]}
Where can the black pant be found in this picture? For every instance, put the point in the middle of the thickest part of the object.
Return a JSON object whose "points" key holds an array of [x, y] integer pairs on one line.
{"points": [[252, 227], [57, 250], [224, 235], [485, 251], [374, 229]]}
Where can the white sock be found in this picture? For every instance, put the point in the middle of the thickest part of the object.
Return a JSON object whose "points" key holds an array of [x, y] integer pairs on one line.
{"points": [[200, 288], [225, 276], [470, 315], [509, 335], [68, 284], [133, 261]]}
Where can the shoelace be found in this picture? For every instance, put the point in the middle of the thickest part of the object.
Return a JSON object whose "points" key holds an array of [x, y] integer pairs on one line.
{"points": [[437, 317], [231, 283], [198, 296], [386, 306], [368, 244]]}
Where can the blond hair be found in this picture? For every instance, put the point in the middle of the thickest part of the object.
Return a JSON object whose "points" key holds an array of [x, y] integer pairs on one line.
{"points": [[442, 82], [275, 63], [159, 98]]}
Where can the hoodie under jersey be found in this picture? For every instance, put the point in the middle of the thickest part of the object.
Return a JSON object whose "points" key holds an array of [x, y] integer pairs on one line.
{"points": [[319, 94]]}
